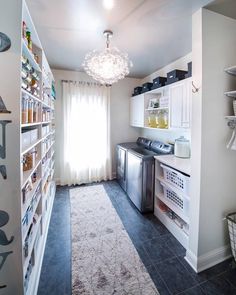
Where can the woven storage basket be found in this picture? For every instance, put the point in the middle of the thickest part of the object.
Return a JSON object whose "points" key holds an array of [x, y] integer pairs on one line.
{"points": [[232, 232]]}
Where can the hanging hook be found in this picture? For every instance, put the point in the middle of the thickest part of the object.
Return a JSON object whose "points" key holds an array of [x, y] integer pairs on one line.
{"points": [[195, 89]]}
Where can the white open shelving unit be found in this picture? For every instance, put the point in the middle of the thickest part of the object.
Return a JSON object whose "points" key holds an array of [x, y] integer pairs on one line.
{"points": [[29, 213], [232, 94], [171, 203]]}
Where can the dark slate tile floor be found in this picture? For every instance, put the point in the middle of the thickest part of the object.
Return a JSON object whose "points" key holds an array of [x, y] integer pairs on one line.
{"points": [[160, 252]]}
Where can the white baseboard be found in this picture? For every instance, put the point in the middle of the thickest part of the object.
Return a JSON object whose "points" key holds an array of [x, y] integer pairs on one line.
{"points": [[57, 180], [209, 259], [191, 259]]}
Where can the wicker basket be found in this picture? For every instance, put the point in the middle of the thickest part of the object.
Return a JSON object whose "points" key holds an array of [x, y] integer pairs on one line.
{"points": [[232, 232]]}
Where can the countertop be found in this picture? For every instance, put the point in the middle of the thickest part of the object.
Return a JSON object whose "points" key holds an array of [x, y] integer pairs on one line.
{"points": [[180, 164]]}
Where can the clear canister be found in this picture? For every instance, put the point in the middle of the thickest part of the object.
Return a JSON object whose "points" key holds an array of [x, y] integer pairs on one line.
{"points": [[35, 112], [30, 111], [24, 110]]}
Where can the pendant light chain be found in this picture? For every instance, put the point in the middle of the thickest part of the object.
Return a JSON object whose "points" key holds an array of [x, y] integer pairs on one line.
{"points": [[107, 66]]}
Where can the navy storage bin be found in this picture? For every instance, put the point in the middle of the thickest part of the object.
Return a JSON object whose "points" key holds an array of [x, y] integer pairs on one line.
{"points": [[175, 75], [189, 73], [137, 90], [146, 87], [159, 82]]}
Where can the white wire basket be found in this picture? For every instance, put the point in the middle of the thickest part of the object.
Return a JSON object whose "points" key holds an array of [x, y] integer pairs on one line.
{"points": [[176, 178], [231, 218], [177, 200]]}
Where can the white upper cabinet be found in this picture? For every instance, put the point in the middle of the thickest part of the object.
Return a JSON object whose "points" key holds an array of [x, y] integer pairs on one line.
{"points": [[177, 108], [137, 111], [180, 104]]}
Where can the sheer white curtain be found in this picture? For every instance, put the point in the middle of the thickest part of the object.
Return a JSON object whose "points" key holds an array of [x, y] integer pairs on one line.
{"points": [[85, 152]]}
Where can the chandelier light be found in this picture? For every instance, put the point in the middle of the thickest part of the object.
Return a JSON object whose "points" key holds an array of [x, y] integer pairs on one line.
{"points": [[107, 66]]}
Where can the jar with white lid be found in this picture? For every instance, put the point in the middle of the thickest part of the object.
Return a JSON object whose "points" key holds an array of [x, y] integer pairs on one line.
{"points": [[182, 147]]}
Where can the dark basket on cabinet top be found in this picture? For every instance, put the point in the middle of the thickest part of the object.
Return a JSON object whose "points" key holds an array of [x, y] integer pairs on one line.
{"points": [[146, 87], [189, 73], [137, 90], [159, 82], [175, 75]]}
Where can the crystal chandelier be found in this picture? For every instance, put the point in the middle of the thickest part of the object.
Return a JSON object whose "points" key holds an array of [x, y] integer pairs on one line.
{"points": [[107, 66]]}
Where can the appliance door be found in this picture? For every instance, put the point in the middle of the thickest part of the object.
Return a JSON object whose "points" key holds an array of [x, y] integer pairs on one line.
{"points": [[135, 179], [121, 167]]}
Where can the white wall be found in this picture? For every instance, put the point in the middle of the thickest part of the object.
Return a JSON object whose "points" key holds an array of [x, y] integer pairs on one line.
{"points": [[180, 64], [214, 184], [164, 135], [120, 93]]}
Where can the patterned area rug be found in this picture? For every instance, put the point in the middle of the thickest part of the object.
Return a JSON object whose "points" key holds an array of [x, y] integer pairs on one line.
{"points": [[104, 260]]}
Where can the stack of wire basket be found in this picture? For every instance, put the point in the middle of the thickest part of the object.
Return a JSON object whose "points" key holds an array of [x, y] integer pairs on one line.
{"points": [[232, 232]]}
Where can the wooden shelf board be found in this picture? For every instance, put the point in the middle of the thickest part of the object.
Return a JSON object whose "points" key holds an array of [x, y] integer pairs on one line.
{"points": [[173, 207], [46, 105], [48, 149], [31, 220], [35, 275], [157, 109], [179, 234], [231, 70], [231, 93], [31, 146], [29, 55], [232, 118], [31, 95], [172, 187], [156, 128], [30, 124], [31, 247], [27, 174], [31, 194], [45, 136]]}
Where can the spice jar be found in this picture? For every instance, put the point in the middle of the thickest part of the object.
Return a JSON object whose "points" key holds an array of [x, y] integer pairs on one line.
{"points": [[30, 111], [162, 120], [24, 60], [35, 111], [152, 121], [28, 36], [23, 73], [24, 84], [24, 117]]}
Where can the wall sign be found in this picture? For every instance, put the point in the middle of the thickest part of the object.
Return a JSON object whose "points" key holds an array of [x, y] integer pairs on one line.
{"points": [[3, 108], [4, 218], [5, 42]]}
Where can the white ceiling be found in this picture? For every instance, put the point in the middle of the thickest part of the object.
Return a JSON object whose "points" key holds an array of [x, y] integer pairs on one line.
{"points": [[153, 32], [225, 7]]}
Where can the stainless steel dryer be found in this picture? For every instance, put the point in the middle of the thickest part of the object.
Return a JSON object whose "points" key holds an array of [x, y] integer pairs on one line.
{"points": [[140, 173], [121, 158]]}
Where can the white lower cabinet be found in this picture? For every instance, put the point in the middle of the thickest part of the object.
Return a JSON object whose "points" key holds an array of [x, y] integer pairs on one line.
{"points": [[137, 111], [172, 201], [180, 94]]}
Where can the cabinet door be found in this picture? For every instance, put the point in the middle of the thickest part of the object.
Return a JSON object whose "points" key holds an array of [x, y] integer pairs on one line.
{"points": [[176, 99], [137, 111], [187, 99], [180, 104]]}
